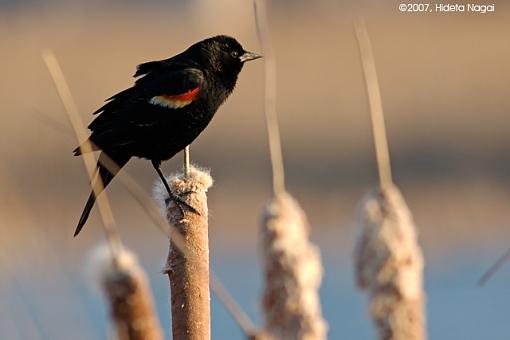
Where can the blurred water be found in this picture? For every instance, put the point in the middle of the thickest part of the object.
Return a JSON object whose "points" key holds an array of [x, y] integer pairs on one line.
{"points": [[56, 307]]}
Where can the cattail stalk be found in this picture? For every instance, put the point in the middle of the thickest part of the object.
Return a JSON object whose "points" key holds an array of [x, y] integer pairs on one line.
{"points": [[127, 290], [188, 263], [388, 259], [186, 161], [293, 273], [382, 153], [292, 264], [273, 131], [389, 266]]}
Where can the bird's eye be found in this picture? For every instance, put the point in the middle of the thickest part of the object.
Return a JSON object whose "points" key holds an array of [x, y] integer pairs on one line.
{"points": [[234, 54]]}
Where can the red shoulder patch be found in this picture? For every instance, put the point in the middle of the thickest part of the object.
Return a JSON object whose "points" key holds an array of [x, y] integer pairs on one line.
{"points": [[176, 101]]}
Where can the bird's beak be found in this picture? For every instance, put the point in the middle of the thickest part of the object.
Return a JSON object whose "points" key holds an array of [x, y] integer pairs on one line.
{"points": [[247, 56]]}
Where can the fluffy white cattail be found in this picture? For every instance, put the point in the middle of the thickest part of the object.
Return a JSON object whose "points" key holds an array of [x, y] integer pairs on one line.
{"points": [[293, 273], [188, 258], [389, 265], [127, 290]]}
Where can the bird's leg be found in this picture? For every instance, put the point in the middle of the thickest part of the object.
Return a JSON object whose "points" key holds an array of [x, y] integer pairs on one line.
{"points": [[179, 201]]}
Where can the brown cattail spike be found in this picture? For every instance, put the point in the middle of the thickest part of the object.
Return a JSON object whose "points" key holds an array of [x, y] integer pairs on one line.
{"points": [[389, 265], [293, 273], [188, 264], [127, 290]]}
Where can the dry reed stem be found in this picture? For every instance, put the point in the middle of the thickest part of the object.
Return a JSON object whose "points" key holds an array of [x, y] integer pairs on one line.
{"points": [[127, 289], [81, 134], [273, 132], [188, 269], [382, 153], [248, 328], [293, 273], [494, 268], [389, 265]]}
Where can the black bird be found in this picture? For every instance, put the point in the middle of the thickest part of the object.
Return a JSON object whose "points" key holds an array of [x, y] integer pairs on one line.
{"points": [[166, 109]]}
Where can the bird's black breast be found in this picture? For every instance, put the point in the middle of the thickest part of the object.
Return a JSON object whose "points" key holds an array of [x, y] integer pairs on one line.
{"points": [[174, 130]]}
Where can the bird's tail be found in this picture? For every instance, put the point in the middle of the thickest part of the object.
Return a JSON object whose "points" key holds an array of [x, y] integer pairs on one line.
{"points": [[106, 176]]}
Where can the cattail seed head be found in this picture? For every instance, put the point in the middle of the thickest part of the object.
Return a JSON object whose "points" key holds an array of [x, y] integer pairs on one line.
{"points": [[293, 273], [389, 265], [127, 290]]}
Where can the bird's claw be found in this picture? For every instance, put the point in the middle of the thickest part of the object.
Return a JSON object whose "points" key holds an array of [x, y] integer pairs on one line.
{"points": [[179, 202]]}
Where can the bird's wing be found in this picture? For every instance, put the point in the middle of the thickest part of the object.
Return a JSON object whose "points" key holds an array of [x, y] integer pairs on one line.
{"points": [[168, 88], [130, 114], [174, 89]]}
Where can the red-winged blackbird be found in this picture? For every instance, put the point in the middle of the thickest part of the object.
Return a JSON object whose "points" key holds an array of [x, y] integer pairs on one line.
{"points": [[166, 109]]}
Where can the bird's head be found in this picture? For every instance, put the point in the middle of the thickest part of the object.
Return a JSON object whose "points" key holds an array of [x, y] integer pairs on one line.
{"points": [[222, 55]]}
